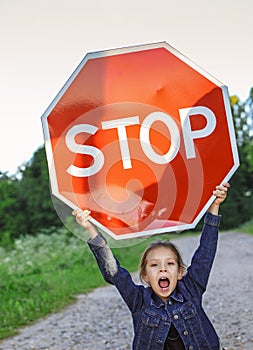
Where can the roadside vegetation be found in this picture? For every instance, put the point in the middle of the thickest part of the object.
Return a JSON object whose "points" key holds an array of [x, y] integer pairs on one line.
{"points": [[247, 227]]}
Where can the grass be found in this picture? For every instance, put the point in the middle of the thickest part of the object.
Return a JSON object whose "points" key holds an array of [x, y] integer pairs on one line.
{"points": [[42, 274], [247, 227]]}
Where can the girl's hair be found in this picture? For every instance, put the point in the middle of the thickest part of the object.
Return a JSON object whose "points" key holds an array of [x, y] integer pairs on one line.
{"points": [[166, 244]]}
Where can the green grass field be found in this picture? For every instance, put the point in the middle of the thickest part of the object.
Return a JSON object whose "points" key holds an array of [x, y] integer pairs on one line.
{"points": [[41, 274]]}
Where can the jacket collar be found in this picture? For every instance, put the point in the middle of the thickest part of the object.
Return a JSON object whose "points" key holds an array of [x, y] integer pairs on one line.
{"points": [[177, 295], [157, 302]]}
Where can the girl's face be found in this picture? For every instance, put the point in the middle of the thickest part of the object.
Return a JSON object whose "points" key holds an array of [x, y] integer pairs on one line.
{"points": [[162, 271]]}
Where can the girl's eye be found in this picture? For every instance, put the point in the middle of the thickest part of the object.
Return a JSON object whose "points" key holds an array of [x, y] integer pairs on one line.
{"points": [[153, 265], [171, 263]]}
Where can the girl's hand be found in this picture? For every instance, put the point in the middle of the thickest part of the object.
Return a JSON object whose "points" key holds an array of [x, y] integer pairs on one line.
{"points": [[83, 218], [221, 194]]}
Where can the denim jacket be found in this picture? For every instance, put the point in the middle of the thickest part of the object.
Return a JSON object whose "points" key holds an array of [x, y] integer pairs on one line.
{"points": [[152, 317]]}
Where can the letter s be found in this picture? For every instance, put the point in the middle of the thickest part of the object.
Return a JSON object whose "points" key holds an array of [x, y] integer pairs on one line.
{"points": [[84, 149]]}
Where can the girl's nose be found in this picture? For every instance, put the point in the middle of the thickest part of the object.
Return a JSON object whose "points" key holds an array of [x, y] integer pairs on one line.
{"points": [[163, 268]]}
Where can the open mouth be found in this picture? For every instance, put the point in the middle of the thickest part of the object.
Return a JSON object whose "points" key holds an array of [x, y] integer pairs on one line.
{"points": [[164, 282]]}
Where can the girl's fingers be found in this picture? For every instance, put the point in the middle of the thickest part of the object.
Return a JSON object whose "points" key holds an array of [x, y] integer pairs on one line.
{"points": [[222, 189], [82, 215]]}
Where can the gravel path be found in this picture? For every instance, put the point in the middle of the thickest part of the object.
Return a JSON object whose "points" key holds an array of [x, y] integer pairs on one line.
{"points": [[100, 320]]}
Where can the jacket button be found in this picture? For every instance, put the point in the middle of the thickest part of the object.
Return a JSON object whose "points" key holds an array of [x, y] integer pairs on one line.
{"points": [[190, 347], [175, 317], [185, 333]]}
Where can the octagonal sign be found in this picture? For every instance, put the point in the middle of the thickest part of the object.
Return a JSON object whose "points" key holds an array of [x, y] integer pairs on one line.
{"points": [[140, 136]]}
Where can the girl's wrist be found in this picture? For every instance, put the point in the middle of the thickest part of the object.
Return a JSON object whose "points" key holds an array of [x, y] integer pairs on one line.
{"points": [[92, 231], [214, 209]]}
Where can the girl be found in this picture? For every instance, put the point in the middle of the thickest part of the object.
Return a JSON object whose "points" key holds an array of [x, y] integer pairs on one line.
{"points": [[167, 314]]}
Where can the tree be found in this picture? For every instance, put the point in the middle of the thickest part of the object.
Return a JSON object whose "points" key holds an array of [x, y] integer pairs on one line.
{"points": [[34, 193], [8, 204], [239, 206], [249, 147]]}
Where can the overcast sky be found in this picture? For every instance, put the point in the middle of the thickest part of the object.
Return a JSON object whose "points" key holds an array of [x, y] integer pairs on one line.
{"points": [[42, 42]]}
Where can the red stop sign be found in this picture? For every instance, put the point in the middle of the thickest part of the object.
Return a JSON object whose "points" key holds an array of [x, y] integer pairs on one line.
{"points": [[140, 136]]}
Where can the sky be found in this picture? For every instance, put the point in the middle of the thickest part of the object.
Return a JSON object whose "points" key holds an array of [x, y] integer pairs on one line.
{"points": [[43, 41]]}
